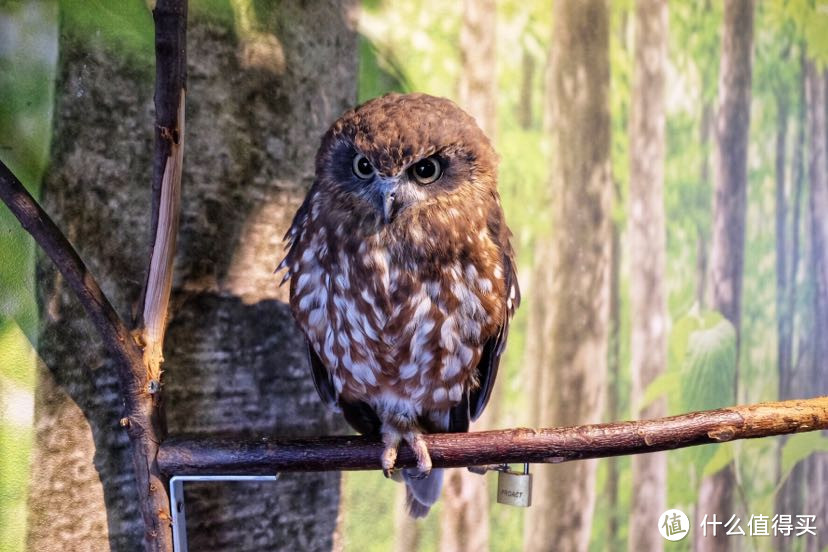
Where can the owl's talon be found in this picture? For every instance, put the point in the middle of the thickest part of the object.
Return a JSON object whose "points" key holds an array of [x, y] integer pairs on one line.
{"points": [[388, 458], [394, 474], [389, 453], [420, 449]]}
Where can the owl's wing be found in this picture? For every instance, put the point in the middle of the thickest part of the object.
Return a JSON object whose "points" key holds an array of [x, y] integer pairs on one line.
{"points": [[322, 379], [291, 237], [494, 346], [357, 413]]}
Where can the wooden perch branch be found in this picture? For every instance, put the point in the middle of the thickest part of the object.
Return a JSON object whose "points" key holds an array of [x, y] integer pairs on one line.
{"points": [[267, 456]]}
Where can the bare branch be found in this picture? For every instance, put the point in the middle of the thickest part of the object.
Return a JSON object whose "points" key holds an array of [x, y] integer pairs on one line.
{"points": [[113, 331], [228, 456], [139, 412]]}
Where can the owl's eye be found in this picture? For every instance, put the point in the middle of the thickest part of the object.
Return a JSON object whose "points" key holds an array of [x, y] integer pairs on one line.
{"points": [[362, 167], [426, 171]]}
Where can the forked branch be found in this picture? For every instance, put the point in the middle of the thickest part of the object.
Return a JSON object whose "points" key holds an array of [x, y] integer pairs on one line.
{"points": [[113, 331], [140, 418], [139, 371], [268, 456]]}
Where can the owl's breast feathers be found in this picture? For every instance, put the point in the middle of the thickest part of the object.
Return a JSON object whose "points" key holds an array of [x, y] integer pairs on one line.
{"points": [[409, 312]]}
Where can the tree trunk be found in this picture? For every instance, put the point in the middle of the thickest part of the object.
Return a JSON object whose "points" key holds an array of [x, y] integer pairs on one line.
{"points": [[702, 232], [467, 527], [259, 97], [729, 206], [464, 518], [478, 74], [647, 246], [537, 330], [817, 465], [614, 384], [792, 382], [527, 81], [783, 320], [576, 282], [406, 528]]}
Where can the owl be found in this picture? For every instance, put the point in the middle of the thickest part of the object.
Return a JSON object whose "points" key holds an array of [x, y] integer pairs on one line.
{"points": [[402, 276]]}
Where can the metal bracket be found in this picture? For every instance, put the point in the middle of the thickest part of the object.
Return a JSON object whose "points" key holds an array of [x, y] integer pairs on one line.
{"points": [[179, 515]]}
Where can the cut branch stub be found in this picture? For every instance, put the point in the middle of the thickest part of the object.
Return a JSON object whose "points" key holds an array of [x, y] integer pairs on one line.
{"points": [[179, 455]]}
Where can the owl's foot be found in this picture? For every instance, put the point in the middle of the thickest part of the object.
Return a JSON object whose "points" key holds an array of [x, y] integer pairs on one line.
{"points": [[418, 445], [391, 440], [389, 454]]}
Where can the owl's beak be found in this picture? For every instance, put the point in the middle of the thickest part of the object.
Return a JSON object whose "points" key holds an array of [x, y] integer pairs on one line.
{"points": [[388, 198], [388, 201]]}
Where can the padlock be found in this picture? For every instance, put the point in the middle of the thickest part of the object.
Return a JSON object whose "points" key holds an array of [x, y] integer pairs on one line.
{"points": [[513, 488]]}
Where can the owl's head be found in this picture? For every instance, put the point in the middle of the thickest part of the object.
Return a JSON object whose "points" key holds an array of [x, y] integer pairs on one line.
{"points": [[400, 152]]}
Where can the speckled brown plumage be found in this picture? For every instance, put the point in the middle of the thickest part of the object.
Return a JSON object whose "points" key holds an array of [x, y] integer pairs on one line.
{"points": [[404, 289]]}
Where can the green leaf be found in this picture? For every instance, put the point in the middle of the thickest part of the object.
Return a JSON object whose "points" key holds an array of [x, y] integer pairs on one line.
{"points": [[679, 337], [667, 384], [708, 373], [721, 458], [702, 354]]}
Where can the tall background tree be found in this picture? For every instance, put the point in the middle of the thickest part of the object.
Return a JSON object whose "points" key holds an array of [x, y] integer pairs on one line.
{"points": [[464, 523], [729, 209], [647, 251], [260, 94], [790, 176], [817, 90], [576, 282]]}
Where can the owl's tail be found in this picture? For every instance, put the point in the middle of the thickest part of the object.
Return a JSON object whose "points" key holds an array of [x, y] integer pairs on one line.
{"points": [[421, 493]]}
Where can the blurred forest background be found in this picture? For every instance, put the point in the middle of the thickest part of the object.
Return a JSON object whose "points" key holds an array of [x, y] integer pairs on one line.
{"points": [[664, 171]]}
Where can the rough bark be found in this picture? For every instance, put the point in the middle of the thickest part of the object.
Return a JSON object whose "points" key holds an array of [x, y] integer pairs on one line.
{"points": [[817, 464], [729, 207], [576, 282], [647, 246], [464, 518], [234, 361]]}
